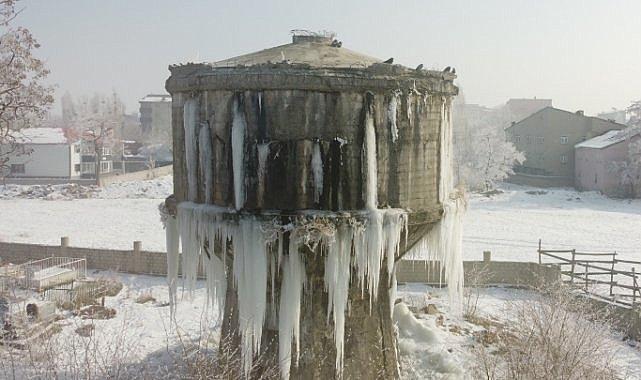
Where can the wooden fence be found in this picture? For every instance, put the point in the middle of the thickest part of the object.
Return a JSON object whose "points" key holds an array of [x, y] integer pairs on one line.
{"points": [[601, 274]]}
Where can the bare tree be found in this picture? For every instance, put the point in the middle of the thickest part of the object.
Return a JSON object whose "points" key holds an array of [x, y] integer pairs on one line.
{"points": [[635, 113], [24, 98], [629, 171]]}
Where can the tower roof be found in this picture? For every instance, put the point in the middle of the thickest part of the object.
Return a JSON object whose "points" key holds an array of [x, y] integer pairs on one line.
{"points": [[313, 50]]}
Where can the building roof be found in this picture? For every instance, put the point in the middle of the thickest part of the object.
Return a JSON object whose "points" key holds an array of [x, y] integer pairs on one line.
{"points": [[156, 98], [312, 50], [575, 114], [609, 138], [42, 136]]}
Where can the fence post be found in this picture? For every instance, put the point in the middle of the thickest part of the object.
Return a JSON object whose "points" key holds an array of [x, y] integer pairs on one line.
{"points": [[614, 259], [487, 256], [64, 244], [634, 285], [137, 247], [539, 251], [586, 276], [572, 268]]}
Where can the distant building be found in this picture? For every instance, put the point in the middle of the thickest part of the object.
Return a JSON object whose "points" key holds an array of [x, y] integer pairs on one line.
{"points": [[44, 153], [594, 159], [547, 138], [519, 109], [155, 118], [89, 158], [618, 116]]}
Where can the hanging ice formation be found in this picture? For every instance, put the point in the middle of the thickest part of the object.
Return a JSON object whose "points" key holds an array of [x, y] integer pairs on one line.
{"points": [[444, 241], [190, 121], [204, 146], [317, 171], [392, 114], [238, 130], [363, 242]]}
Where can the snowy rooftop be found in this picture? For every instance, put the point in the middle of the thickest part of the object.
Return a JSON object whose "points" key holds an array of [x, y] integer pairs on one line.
{"points": [[41, 136], [607, 139], [156, 98]]}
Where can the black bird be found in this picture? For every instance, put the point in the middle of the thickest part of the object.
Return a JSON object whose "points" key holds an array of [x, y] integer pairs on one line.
{"points": [[339, 44], [390, 61], [454, 71], [447, 69], [419, 67]]}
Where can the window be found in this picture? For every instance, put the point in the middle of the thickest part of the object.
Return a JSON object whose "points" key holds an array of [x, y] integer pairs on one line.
{"points": [[105, 166], [76, 168], [528, 139], [564, 140], [106, 151], [76, 148], [517, 139], [17, 168], [564, 159], [539, 139]]}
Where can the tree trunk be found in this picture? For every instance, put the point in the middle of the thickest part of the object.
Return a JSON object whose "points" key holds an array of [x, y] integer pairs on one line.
{"points": [[370, 343]]}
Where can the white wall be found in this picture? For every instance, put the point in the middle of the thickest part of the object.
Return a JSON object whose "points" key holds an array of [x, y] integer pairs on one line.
{"points": [[46, 160]]}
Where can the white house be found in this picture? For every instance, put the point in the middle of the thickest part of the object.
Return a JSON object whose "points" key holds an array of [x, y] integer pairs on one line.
{"points": [[45, 153]]}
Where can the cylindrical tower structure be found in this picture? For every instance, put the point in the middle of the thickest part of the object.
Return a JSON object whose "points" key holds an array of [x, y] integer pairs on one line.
{"points": [[302, 173]]}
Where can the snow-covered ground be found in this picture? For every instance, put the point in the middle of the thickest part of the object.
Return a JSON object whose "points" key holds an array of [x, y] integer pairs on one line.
{"points": [[440, 345], [435, 345], [508, 224]]}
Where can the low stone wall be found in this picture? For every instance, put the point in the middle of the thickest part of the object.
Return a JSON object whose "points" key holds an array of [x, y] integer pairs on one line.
{"points": [[46, 181], [541, 180], [136, 176], [155, 263], [483, 273]]}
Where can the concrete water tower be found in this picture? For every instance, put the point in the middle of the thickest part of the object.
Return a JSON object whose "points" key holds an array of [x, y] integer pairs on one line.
{"points": [[302, 173]]}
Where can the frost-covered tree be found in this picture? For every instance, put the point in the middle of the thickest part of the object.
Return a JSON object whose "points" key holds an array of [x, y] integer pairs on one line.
{"points": [[483, 157], [629, 171], [635, 113], [24, 98], [489, 159], [98, 121]]}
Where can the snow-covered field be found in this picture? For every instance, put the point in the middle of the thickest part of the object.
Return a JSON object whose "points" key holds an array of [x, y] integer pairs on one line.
{"points": [[508, 224]]}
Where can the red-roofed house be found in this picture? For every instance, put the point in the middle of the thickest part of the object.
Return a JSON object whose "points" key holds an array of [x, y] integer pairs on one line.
{"points": [[596, 163]]}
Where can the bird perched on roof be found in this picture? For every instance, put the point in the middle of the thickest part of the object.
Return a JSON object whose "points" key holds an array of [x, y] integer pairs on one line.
{"points": [[390, 61], [453, 70], [447, 69], [419, 67]]}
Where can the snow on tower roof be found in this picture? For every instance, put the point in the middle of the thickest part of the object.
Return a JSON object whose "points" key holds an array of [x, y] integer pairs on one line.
{"points": [[608, 138], [156, 98], [41, 136]]}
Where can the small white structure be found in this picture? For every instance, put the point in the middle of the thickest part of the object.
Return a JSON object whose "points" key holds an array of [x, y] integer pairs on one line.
{"points": [[44, 153]]}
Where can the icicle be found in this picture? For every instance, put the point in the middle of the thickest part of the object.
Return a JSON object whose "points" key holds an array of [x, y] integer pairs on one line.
{"points": [[238, 131], [205, 151], [392, 115], [337, 273], [290, 300], [371, 168], [173, 241], [250, 275], [410, 118], [190, 116], [317, 171]]}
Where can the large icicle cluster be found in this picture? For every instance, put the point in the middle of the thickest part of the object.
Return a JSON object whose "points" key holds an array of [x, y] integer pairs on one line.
{"points": [[444, 242], [205, 230]]}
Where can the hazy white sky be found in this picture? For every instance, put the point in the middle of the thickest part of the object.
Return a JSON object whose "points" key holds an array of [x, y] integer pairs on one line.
{"points": [[584, 54]]}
